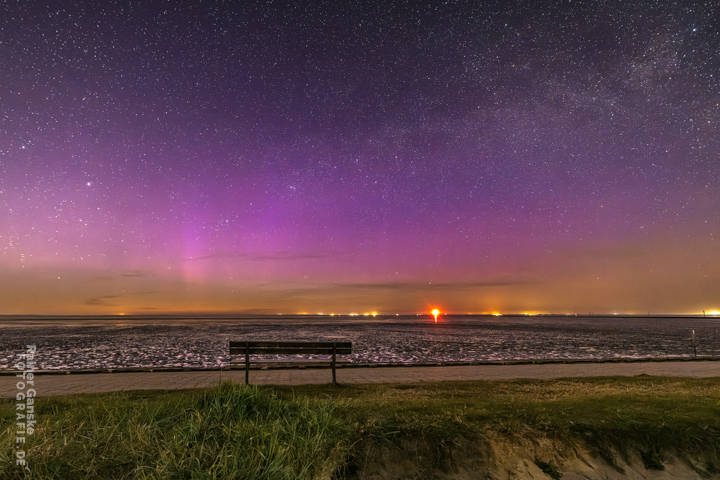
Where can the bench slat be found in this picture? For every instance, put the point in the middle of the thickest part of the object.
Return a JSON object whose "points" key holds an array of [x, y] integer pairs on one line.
{"points": [[237, 344], [292, 362], [289, 351]]}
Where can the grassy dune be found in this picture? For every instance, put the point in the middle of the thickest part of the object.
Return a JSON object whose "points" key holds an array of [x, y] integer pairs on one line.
{"points": [[233, 431]]}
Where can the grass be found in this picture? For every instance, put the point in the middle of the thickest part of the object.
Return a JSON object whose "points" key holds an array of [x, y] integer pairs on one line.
{"points": [[229, 431], [233, 431]]}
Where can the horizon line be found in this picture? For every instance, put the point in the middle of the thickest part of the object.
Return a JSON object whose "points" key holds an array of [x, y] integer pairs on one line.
{"points": [[193, 314]]}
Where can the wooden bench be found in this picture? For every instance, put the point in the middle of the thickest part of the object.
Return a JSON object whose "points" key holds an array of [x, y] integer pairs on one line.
{"points": [[289, 348]]}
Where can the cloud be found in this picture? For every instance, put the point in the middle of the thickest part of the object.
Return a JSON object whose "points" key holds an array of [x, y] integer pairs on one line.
{"points": [[213, 256], [433, 285], [134, 274], [298, 289], [103, 301], [106, 300], [253, 257], [128, 274], [299, 256]]}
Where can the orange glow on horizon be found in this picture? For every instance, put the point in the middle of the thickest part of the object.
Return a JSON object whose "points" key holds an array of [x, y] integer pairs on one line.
{"points": [[435, 314]]}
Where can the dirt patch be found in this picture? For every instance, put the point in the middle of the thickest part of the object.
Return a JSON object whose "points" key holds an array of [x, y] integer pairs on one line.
{"points": [[500, 459]]}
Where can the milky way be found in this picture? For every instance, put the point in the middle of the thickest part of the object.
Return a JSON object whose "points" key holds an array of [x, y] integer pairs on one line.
{"points": [[349, 156]]}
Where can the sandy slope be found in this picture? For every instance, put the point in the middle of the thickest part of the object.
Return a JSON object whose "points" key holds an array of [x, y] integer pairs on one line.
{"points": [[497, 459]]}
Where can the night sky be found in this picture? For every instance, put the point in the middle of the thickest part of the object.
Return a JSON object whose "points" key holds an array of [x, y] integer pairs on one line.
{"points": [[359, 156]]}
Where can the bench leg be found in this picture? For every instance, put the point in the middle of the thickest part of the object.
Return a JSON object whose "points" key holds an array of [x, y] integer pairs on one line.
{"points": [[333, 366], [247, 365]]}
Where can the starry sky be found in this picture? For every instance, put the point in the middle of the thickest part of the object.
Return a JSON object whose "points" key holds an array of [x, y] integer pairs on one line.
{"points": [[355, 156]]}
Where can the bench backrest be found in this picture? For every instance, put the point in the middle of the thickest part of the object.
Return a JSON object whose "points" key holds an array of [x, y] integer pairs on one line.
{"points": [[288, 348]]}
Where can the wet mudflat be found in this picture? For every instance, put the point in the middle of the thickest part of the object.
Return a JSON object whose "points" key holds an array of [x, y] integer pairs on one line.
{"points": [[203, 343]]}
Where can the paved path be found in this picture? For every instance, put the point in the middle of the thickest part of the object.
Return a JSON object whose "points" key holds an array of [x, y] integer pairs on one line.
{"points": [[49, 385]]}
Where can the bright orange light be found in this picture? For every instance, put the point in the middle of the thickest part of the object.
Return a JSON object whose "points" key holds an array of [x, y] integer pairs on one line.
{"points": [[435, 313]]}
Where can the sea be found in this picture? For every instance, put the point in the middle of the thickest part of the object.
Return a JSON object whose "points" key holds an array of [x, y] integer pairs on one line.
{"points": [[125, 342]]}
